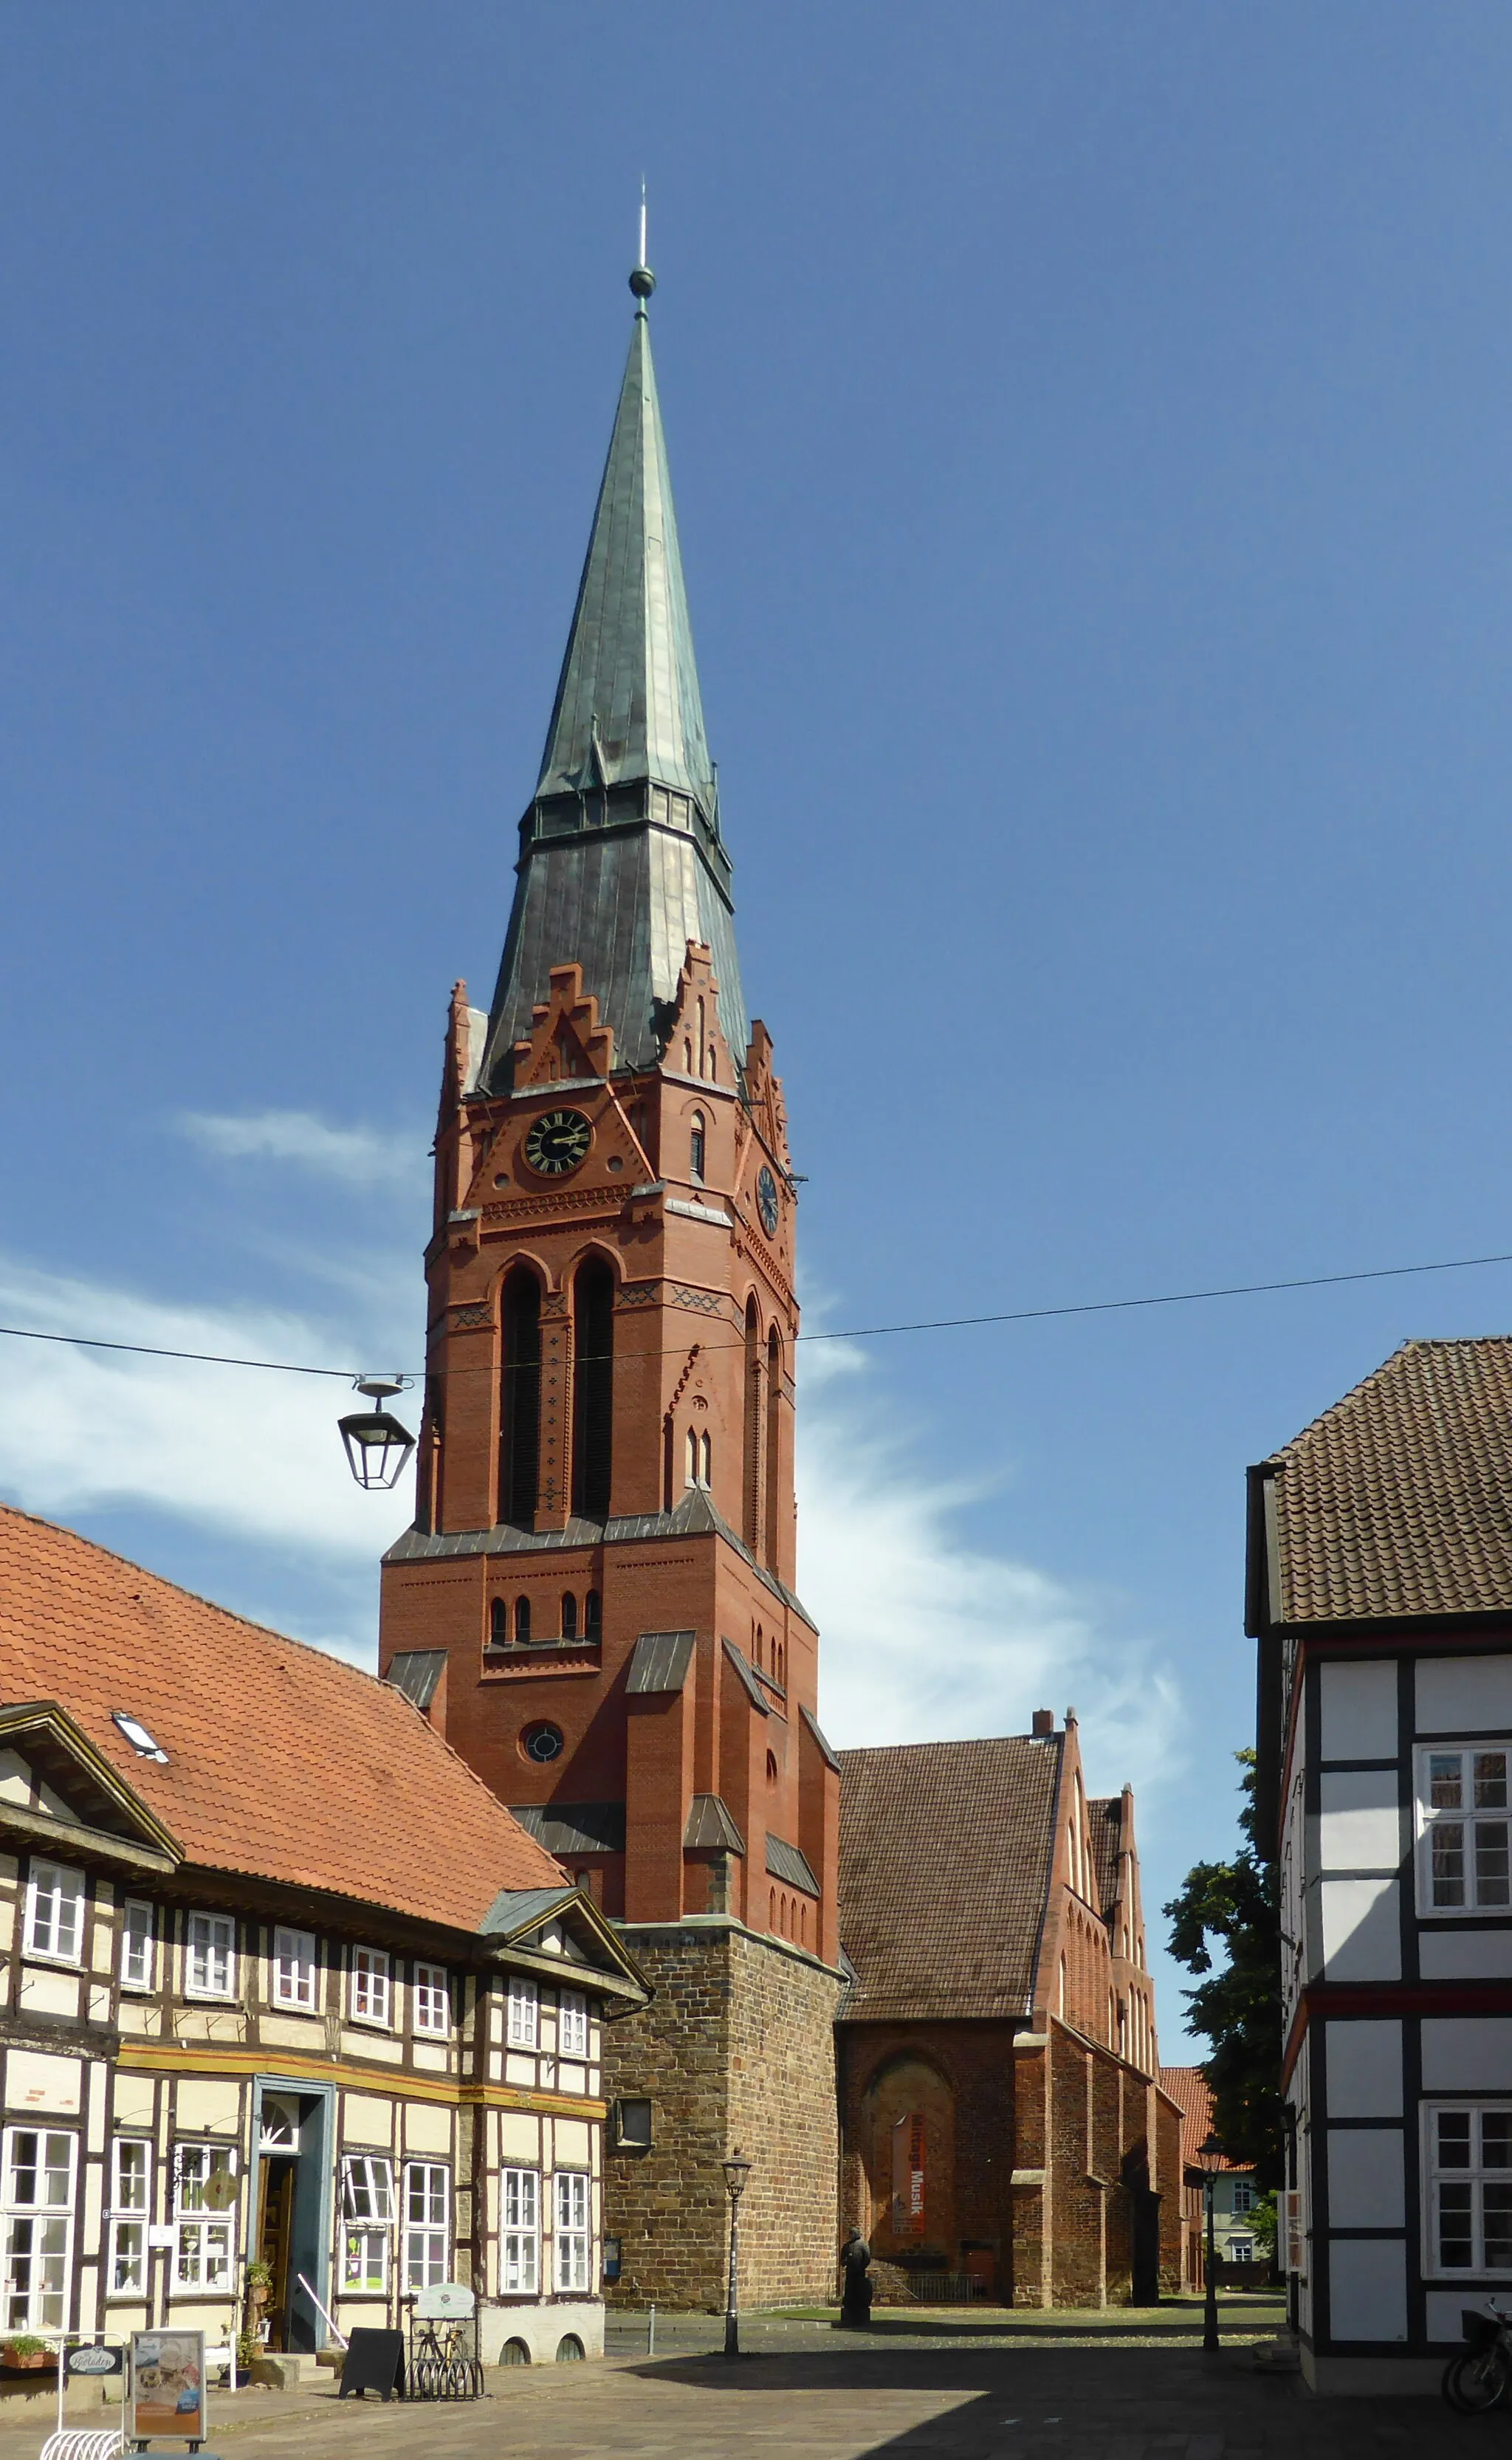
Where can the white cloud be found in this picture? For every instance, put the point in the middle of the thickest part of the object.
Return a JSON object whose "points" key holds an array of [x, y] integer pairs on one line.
{"points": [[358, 1156], [925, 1636]]}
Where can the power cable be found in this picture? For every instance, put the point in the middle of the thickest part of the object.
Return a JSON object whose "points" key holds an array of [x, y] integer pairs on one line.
{"points": [[855, 1332]]}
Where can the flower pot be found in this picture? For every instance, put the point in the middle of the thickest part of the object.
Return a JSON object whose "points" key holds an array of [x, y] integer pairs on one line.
{"points": [[26, 2361]]}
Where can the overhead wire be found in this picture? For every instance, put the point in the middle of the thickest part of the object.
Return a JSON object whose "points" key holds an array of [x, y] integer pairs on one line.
{"points": [[853, 1332]]}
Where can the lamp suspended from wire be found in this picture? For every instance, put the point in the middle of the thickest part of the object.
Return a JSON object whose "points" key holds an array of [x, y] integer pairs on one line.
{"points": [[377, 1446]]}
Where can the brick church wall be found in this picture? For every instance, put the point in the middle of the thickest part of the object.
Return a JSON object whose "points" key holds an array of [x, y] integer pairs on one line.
{"points": [[736, 2049]]}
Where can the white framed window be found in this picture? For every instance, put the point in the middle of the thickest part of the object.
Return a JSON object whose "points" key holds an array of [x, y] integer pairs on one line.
{"points": [[209, 1957], [39, 2172], [1469, 2163], [1465, 1823], [294, 1970], [138, 1948], [523, 2029], [369, 1995], [367, 2211], [574, 2236], [572, 2024], [205, 2217], [427, 2217], [130, 2211], [432, 2009], [520, 2233], [1241, 2250], [55, 1913], [1244, 2195]]}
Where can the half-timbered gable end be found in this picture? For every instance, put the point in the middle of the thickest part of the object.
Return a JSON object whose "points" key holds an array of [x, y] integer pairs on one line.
{"points": [[280, 1982]]}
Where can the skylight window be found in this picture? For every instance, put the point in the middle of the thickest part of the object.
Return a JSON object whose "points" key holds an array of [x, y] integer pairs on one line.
{"points": [[136, 1733]]}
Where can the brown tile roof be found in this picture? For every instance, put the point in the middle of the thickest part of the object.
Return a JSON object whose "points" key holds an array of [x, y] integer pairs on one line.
{"points": [[944, 1868], [1188, 2087], [1398, 1499], [1105, 1822], [283, 1763]]}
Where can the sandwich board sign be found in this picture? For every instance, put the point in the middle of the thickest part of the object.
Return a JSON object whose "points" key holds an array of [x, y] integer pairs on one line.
{"points": [[165, 2388]]}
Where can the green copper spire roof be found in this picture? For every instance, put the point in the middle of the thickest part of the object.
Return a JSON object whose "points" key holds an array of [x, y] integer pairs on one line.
{"points": [[627, 704]]}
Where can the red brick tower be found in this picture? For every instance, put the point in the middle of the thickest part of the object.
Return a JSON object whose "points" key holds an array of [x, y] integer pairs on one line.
{"points": [[604, 1546]]}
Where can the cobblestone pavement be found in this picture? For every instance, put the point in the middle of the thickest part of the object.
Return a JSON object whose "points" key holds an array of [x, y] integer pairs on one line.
{"points": [[1124, 2385]]}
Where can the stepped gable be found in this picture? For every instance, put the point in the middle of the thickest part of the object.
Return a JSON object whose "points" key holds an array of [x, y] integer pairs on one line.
{"points": [[1398, 1500], [283, 1763], [945, 1862]]}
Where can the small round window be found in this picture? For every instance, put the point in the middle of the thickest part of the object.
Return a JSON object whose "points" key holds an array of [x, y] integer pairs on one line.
{"points": [[542, 1742]]}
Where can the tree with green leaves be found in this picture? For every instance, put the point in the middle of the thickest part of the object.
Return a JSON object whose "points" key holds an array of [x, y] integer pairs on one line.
{"points": [[1234, 1908]]}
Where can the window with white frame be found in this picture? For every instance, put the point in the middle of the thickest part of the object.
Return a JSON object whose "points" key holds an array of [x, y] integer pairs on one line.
{"points": [[55, 1913], [572, 2024], [293, 1975], [138, 1953], [518, 2233], [1243, 2196], [427, 2213], [205, 2217], [1241, 2250], [369, 1994], [209, 1957], [523, 2029], [1464, 1865], [39, 2172], [1470, 2187], [367, 2206], [574, 2231], [130, 2211], [432, 2000]]}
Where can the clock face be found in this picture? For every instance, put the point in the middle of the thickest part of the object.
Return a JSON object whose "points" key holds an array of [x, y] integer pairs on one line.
{"points": [[557, 1142], [766, 1201]]}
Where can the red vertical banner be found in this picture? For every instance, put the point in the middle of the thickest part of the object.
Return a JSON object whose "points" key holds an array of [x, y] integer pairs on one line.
{"points": [[907, 2174]]}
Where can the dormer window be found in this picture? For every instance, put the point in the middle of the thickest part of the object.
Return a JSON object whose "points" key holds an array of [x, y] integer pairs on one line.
{"points": [[55, 1913], [523, 2029], [145, 1745]]}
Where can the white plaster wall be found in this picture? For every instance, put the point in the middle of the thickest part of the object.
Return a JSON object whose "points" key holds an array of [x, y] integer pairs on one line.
{"points": [[1359, 1702], [1465, 1955], [542, 2328], [1358, 1829], [1467, 2053], [1361, 1934], [1446, 2308], [1457, 1695], [1365, 2179], [1367, 2289], [1365, 2067]]}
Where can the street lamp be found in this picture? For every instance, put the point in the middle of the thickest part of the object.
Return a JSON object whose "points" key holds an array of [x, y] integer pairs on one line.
{"points": [[1210, 2160], [737, 2170], [376, 1445]]}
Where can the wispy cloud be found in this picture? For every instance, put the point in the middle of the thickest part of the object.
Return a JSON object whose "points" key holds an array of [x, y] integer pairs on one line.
{"points": [[358, 1155]]}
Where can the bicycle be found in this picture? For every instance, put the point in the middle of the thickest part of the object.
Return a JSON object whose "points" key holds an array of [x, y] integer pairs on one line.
{"points": [[444, 2368], [1479, 2378]]}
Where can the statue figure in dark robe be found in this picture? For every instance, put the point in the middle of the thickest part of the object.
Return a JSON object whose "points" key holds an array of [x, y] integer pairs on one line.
{"points": [[855, 2309]]}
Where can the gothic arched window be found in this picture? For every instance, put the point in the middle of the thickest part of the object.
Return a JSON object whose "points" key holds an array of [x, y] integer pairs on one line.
{"points": [[774, 1445], [592, 1389], [499, 1623], [706, 1455], [569, 1616], [593, 1616], [695, 1150], [754, 1429], [692, 1458], [522, 1618], [520, 1401]]}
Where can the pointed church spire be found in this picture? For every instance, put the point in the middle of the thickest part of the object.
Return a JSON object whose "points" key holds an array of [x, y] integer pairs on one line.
{"points": [[621, 858], [630, 677]]}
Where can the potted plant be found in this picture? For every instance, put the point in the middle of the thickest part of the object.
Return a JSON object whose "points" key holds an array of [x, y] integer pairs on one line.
{"points": [[24, 2352]]}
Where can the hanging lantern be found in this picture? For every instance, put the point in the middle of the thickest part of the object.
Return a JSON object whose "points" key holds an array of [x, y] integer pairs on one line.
{"points": [[376, 1445]]}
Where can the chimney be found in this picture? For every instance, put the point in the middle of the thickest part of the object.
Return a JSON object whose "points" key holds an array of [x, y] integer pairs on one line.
{"points": [[1043, 1721]]}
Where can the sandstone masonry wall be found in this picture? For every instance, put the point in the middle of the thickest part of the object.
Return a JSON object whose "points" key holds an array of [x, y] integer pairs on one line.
{"points": [[736, 2048]]}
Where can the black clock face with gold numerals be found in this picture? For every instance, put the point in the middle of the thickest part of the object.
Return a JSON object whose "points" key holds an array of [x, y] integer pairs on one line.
{"points": [[766, 1201], [557, 1142]]}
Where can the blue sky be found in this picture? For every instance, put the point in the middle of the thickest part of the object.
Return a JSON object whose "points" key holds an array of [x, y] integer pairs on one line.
{"points": [[1089, 429]]}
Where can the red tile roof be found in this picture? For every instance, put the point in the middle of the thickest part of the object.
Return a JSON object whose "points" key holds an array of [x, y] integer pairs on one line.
{"points": [[1188, 2087], [1398, 1500], [283, 1763], [945, 1855]]}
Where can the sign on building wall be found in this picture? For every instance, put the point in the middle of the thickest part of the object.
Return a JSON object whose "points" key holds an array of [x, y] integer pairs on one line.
{"points": [[907, 2174]]}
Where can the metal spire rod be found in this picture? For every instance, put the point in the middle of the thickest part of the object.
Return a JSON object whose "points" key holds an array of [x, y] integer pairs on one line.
{"points": [[643, 281]]}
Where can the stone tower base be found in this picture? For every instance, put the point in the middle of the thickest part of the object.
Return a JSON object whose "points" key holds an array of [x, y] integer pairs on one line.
{"points": [[736, 2050]]}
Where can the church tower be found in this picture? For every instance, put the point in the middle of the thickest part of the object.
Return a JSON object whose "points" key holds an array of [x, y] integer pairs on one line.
{"points": [[600, 1577]]}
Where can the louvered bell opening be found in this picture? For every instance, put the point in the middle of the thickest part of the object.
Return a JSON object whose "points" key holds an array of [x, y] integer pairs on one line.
{"points": [[593, 1391]]}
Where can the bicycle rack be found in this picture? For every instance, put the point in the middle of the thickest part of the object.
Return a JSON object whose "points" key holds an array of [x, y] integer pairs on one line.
{"points": [[442, 2360]]}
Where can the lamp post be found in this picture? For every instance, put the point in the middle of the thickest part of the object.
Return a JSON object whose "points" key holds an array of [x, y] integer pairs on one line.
{"points": [[376, 1445], [1210, 2160], [737, 2170]]}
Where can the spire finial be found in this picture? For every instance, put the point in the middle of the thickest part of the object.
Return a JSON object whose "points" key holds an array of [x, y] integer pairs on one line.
{"points": [[643, 281]]}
